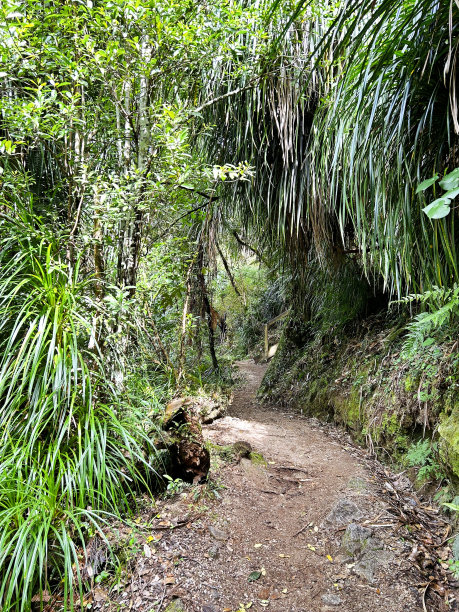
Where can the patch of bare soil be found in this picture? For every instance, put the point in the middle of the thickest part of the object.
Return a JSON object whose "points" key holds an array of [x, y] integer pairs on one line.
{"points": [[308, 526]]}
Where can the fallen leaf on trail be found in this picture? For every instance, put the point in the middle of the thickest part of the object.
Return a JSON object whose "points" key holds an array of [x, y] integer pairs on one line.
{"points": [[316, 529], [169, 580], [264, 594], [257, 545], [272, 462], [330, 558], [284, 590], [150, 538], [311, 547], [147, 551], [282, 556], [264, 603], [263, 571], [254, 576]]}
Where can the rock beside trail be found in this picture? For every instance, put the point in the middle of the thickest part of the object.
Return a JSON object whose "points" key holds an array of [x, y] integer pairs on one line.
{"points": [[356, 538], [176, 605], [218, 534], [242, 449], [344, 512], [372, 561], [331, 599], [369, 552]]}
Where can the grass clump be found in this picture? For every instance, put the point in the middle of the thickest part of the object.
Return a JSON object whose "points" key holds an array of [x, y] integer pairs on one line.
{"points": [[69, 452]]}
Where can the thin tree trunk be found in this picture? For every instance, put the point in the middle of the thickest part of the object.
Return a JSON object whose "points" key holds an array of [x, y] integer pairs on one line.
{"points": [[99, 266], [181, 359], [247, 246], [205, 298], [228, 271]]}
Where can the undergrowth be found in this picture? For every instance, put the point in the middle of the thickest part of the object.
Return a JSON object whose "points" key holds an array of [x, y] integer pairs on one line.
{"points": [[70, 453]]}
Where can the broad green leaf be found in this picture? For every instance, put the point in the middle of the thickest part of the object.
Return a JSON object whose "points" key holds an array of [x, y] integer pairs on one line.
{"points": [[453, 193], [427, 183], [254, 576], [450, 181], [438, 209]]}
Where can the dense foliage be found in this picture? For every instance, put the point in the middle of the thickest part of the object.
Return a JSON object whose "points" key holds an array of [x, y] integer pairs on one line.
{"points": [[172, 176]]}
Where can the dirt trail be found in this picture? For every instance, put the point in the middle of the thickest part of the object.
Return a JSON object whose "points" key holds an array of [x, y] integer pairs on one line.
{"points": [[309, 473], [284, 520]]}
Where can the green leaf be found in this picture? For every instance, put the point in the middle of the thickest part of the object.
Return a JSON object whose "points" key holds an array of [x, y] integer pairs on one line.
{"points": [[451, 194], [450, 181], [254, 576], [427, 183], [438, 209]]}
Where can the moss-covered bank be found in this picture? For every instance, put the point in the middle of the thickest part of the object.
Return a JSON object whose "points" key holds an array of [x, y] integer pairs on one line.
{"points": [[362, 375]]}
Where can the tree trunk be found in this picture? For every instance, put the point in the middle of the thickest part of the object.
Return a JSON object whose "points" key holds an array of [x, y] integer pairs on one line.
{"points": [[207, 308], [228, 271]]}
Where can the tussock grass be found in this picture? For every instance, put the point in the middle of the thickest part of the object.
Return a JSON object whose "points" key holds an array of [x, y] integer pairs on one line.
{"points": [[69, 451]]}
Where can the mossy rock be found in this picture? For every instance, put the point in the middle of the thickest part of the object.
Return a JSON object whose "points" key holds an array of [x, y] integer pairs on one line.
{"points": [[176, 605], [257, 459], [449, 440]]}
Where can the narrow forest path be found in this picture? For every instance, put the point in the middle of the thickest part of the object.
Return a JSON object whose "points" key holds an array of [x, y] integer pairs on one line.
{"points": [[298, 507], [274, 537]]}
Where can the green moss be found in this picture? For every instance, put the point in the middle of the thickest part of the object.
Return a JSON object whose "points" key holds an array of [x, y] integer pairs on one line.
{"points": [[390, 424], [410, 384], [348, 409], [449, 439], [226, 453], [258, 459]]}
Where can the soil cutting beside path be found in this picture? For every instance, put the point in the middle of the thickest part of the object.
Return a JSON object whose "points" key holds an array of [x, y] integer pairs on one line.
{"points": [[300, 525]]}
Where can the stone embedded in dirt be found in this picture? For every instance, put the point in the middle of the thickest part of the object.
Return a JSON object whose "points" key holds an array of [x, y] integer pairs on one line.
{"points": [[242, 448], [176, 605], [344, 512], [356, 538], [331, 599], [213, 552], [371, 561], [218, 534]]}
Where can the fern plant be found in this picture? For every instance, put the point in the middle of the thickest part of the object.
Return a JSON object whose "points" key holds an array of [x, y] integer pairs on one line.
{"points": [[442, 306]]}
